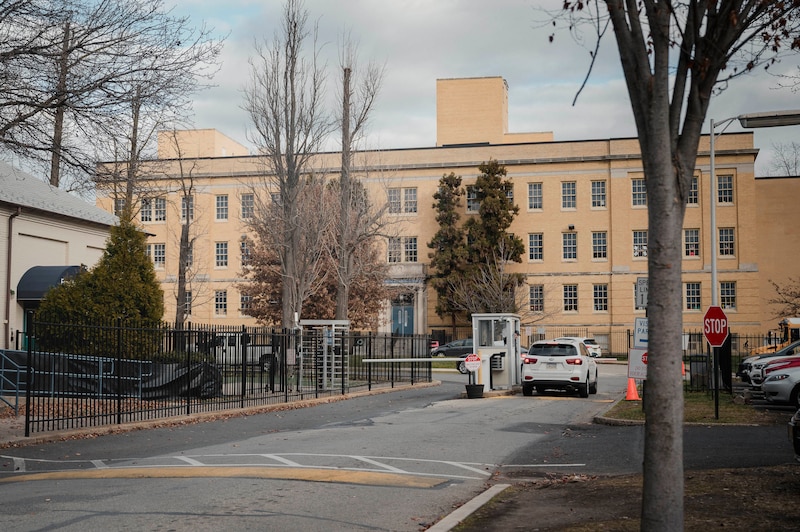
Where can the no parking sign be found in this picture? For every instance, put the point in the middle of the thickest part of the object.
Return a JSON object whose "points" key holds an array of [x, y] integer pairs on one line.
{"points": [[637, 364]]}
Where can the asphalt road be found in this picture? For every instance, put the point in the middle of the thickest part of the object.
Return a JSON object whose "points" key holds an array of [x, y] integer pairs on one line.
{"points": [[396, 461]]}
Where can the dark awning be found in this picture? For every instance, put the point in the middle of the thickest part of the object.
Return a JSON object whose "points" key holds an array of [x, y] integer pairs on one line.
{"points": [[35, 283]]}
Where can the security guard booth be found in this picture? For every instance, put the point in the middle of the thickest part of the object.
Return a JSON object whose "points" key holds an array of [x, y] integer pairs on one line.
{"points": [[496, 341]]}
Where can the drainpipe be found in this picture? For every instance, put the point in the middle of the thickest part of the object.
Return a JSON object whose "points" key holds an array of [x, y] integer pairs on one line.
{"points": [[9, 255]]}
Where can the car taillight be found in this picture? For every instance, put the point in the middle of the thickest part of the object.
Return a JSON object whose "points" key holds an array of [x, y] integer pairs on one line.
{"points": [[528, 360], [574, 361]]}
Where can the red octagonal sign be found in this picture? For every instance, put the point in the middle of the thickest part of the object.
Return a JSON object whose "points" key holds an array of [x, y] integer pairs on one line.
{"points": [[715, 326]]}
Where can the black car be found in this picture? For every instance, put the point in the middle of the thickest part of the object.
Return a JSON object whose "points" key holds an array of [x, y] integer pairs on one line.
{"points": [[454, 348]]}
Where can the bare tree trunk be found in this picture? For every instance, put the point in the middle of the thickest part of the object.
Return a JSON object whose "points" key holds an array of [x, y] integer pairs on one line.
{"points": [[61, 100], [344, 251]]}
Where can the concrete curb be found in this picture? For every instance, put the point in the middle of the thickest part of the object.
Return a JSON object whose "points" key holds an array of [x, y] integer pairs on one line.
{"points": [[467, 509]]}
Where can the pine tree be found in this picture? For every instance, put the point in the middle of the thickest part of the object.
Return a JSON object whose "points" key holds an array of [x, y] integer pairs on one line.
{"points": [[122, 286], [487, 232], [449, 255]]}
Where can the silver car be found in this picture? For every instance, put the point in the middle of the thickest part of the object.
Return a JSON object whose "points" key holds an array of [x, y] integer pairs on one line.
{"points": [[563, 364], [783, 386]]}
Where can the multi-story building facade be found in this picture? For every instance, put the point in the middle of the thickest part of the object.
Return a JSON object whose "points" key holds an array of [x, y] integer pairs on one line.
{"points": [[582, 217]]}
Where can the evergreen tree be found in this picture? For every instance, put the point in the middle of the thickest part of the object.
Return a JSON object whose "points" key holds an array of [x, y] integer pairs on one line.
{"points": [[122, 285], [449, 244], [487, 232]]}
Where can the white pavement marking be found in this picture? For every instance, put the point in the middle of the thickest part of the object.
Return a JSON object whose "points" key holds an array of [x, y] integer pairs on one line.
{"points": [[282, 460], [190, 461], [381, 465], [99, 464]]}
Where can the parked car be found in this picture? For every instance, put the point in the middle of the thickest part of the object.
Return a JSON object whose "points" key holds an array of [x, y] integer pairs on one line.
{"points": [[462, 367], [751, 368], [794, 434], [780, 364], [559, 364], [454, 348], [591, 344], [783, 387]]}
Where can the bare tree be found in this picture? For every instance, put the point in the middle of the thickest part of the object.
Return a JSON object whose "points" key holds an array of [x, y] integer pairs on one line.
{"points": [[787, 298], [786, 159], [674, 56], [87, 66], [284, 99], [356, 224], [313, 236]]}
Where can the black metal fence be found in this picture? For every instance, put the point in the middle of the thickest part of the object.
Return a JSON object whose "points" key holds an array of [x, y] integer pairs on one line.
{"points": [[91, 375], [698, 359]]}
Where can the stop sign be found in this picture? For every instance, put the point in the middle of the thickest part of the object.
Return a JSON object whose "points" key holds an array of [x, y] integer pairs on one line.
{"points": [[715, 326]]}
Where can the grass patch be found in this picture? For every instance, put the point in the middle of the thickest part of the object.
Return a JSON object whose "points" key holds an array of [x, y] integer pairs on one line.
{"points": [[698, 407]]}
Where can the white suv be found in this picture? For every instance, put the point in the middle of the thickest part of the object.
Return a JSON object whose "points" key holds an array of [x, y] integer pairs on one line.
{"points": [[563, 364]]}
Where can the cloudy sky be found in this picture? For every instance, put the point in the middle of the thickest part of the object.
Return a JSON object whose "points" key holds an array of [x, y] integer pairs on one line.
{"points": [[420, 41]]}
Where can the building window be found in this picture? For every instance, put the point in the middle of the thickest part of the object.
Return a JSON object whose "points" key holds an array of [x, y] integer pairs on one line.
{"points": [[222, 207], [692, 299], [187, 303], [570, 298], [221, 254], [640, 243], [189, 255], [410, 200], [638, 192], [160, 210], [119, 206], [159, 255], [570, 245], [146, 212], [535, 196], [598, 193], [725, 189], [245, 253], [691, 242], [248, 203], [410, 247], [599, 245], [726, 242], [187, 208], [536, 246], [473, 205], [394, 200], [245, 300], [221, 302], [394, 249], [275, 198], [691, 198], [402, 200], [600, 297], [536, 297], [727, 294], [568, 195]]}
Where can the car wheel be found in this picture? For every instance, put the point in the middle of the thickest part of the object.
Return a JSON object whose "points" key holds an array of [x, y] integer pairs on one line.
{"points": [[593, 386], [583, 389], [462, 367], [527, 390], [794, 398], [540, 390]]}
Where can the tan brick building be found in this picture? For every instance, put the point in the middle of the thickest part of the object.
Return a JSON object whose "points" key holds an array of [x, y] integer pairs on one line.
{"points": [[583, 219]]}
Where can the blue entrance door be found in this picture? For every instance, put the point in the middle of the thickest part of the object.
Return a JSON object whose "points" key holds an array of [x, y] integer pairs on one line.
{"points": [[402, 319]]}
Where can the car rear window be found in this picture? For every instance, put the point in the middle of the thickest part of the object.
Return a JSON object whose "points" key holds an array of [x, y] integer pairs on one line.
{"points": [[554, 350]]}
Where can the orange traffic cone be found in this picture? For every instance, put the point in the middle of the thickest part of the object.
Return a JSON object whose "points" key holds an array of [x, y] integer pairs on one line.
{"points": [[633, 393]]}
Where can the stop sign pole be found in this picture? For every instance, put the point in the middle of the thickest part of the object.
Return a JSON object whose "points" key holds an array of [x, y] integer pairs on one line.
{"points": [[715, 329]]}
